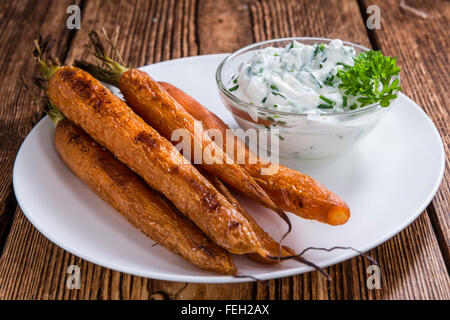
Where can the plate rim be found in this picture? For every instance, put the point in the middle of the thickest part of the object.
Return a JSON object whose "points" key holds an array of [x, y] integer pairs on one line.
{"points": [[211, 277]]}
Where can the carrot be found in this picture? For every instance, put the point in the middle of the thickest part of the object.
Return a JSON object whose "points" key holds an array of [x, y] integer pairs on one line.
{"points": [[110, 122], [287, 189], [153, 104], [272, 247], [127, 193], [291, 190], [161, 111], [275, 252], [82, 99]]}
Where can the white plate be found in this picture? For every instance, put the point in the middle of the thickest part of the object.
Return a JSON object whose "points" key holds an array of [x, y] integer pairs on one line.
{"points": [[387, 180]]}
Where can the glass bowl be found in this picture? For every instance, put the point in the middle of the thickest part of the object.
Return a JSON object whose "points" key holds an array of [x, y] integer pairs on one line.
{"points": [[300, 135]]}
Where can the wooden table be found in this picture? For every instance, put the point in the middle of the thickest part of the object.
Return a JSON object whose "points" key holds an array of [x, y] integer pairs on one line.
{"points": [[415, 263]]}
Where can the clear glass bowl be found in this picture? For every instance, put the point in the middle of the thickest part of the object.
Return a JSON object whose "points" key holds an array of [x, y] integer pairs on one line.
{"points": [[301, 136]]}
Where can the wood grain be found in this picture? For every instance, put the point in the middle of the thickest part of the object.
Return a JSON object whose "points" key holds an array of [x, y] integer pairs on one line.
{"points": [[424, 58], [275, 19], [17, 112], [31, 267]]}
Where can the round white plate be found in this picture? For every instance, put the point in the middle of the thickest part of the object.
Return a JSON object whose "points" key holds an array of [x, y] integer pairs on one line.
{"points": [[387, 180]]}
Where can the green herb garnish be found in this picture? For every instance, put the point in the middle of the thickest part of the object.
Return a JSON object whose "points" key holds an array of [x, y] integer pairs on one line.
{"points": [[278, 94], [235, 80], [371, 79], [318, 48], [264, 100], [234, 88], [324, 106], [273, 87], [344, 101], [329, 80], [327, 100], [343, 64]]}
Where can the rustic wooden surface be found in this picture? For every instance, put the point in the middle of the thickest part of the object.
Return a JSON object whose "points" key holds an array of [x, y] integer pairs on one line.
{"points": [[414, 263]]}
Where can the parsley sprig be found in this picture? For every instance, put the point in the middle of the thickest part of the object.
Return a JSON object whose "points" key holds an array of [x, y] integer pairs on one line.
{"points": [[371, 79]]}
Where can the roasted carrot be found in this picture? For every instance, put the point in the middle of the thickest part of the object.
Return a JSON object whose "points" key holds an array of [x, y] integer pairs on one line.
{"points": [[287, 189], [127, 193], [274, 252], [110, 122], [291, 190], [152, 103], [161, 111], [268, 243]]}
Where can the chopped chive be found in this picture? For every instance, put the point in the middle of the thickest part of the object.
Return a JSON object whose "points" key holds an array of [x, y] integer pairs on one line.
{"points": [[316, 50], [235, 80], [281, 138], [275, 106], [281, 122], [324, 106], [273, 87], [270, 118], [329, 81], [343, 64], [264, 100], [353, 106], [278, 94], [276, 54], [234, 88], [326, 99], [292, 45], [344, 101]]}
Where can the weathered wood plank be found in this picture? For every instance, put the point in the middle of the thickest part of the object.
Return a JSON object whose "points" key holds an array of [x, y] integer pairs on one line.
{"points": [[275, 19], [422, 46], [159, 38], [223, 26], [17, 113], [32, 267]]}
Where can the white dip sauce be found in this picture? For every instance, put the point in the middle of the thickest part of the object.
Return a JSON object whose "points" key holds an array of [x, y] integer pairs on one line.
{"points": [[302, 78], [298, 78]]}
